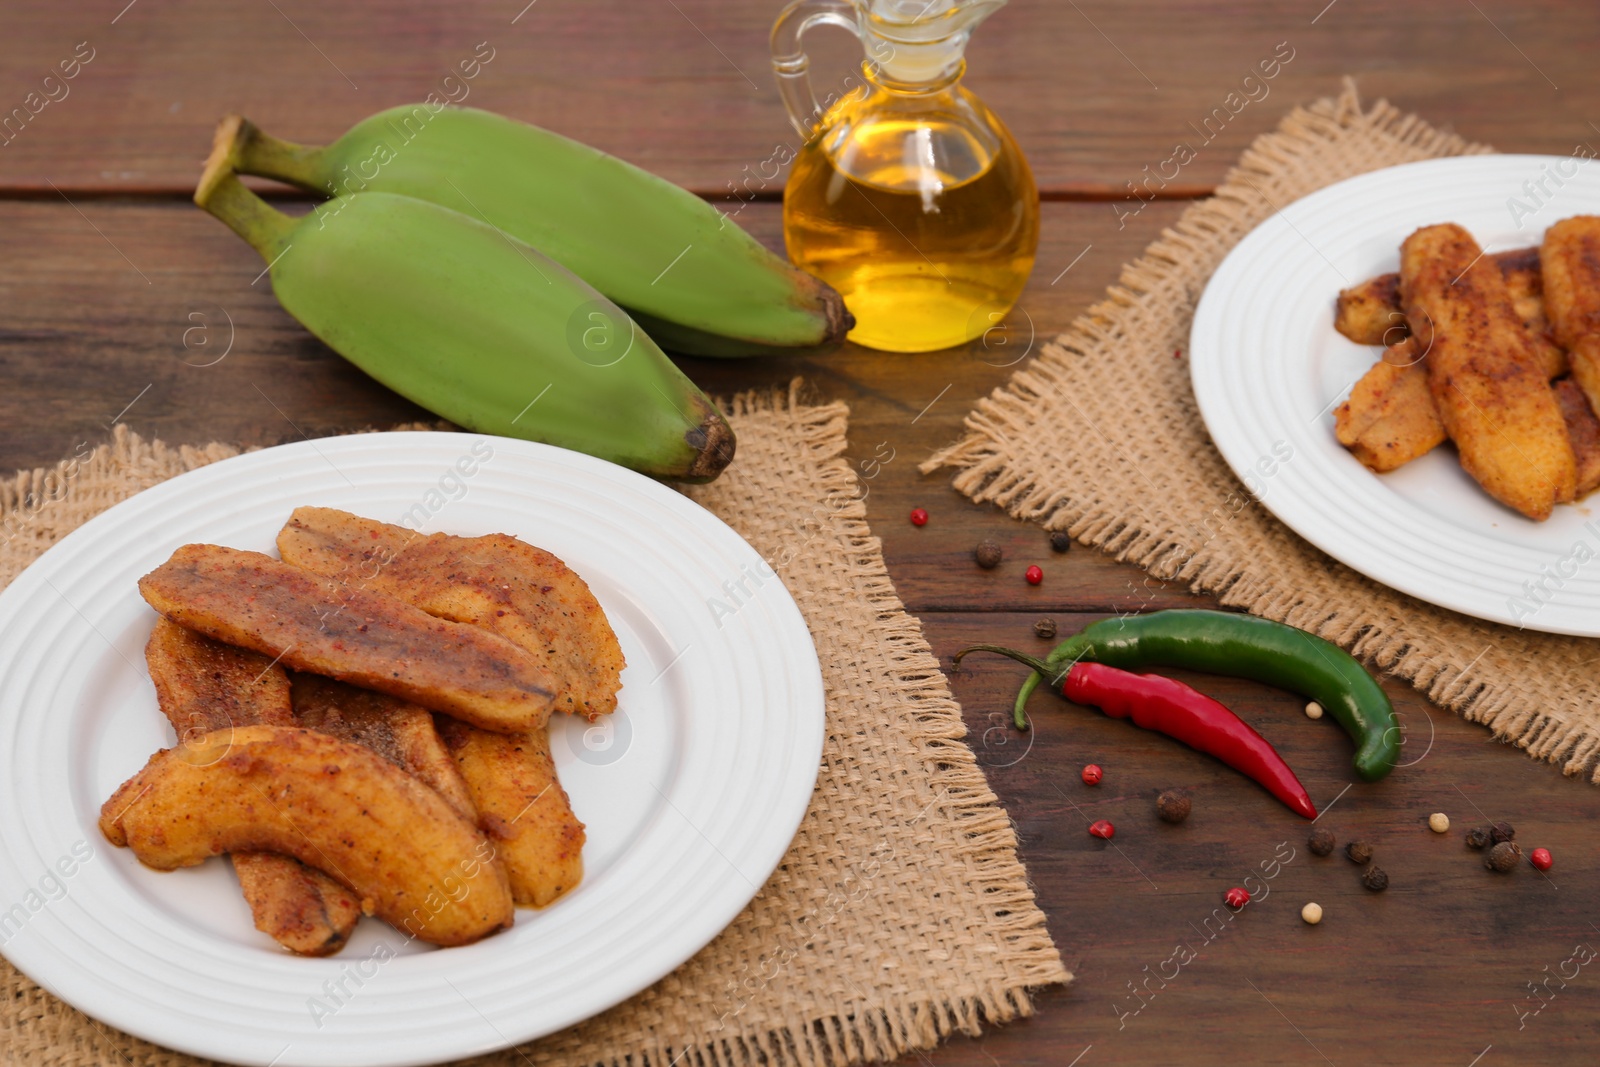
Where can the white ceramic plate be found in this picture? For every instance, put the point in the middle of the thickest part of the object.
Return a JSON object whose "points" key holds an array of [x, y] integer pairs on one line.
{"points": [[1269, 368], [691, 792]]}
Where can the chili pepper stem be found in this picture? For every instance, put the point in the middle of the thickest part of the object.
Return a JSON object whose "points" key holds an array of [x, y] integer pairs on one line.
{"points": [[1068, 652], [1052, 673], [1019, 706]]}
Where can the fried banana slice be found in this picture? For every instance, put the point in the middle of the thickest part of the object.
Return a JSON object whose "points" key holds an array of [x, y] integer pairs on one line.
{"points": [[1389, 419], [530, 597], [1583, 429], [1487, 382], [400, 732], [1585, 359], [522, 807], [1525, 283], [498, 582], [1370, 313], [299, 907], [333, 805], [355, 635], [1571, 255], [203, 685]]}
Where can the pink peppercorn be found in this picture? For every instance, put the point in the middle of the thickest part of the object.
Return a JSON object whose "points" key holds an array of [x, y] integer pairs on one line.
{"points": [[919, 517], [1237, 897], [1092, 774], [1103, 829], [1034, 575], [1541, 858]]}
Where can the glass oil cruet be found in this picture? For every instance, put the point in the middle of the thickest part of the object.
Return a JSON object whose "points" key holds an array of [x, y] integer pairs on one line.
{"points": [[910, 197]]}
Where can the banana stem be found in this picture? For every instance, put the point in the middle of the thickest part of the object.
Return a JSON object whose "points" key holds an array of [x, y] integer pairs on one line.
{"points": [[222, 194], [262, 154]]}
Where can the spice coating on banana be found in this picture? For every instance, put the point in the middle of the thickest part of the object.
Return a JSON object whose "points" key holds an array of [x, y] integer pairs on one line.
{"points": [[330, 804]]}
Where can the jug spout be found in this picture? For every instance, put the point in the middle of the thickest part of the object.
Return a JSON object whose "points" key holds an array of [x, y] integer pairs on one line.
{"points": [[910, 43], [927, 15], [919, 41]]}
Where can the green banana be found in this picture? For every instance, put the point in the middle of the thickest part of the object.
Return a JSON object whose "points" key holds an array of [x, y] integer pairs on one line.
{"points": [[696, 281], [475, 325]]}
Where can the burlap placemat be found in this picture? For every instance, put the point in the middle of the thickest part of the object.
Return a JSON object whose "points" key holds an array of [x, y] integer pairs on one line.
{"points": [[1100, 435], [901, 913]]}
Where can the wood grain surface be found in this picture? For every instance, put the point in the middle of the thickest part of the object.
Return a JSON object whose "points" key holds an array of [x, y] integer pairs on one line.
{"points": [[1095, 90], [120, 302]]}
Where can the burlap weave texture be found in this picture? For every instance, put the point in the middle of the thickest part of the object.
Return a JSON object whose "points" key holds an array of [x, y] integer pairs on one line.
{"points": [[1100, 435], [900, 914]]}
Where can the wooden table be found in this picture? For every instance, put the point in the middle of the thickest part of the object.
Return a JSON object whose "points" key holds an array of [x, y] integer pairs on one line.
{"points": [[106, 272]]}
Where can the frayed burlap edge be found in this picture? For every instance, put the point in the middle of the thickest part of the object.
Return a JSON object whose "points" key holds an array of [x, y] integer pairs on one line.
{"points": [[988, 835], [39, 507], [1557, 723], [884, 1024]]}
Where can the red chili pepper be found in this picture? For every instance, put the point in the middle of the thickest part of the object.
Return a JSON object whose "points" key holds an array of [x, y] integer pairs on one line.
{"points": [[1172, 708]]}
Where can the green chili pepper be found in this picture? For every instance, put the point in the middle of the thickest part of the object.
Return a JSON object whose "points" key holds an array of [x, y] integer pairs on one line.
{"points": [[1244, 646]]}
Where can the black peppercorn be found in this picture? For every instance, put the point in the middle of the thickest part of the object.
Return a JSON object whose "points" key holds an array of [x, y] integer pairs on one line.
{"points": [[1060, 541], [988, 555], [1374, 879], [1502, 831], [1478, 837], [1503, 856], [1045, 628], [1173, 806], [1321, 841], [1359, 852]]}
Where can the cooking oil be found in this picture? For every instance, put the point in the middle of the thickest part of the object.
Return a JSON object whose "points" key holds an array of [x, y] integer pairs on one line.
{"points": [[910, 196], [927, 230]]}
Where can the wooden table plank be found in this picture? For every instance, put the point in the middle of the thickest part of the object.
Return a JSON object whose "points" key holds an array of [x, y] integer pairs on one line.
{"points": [[685, 88]]}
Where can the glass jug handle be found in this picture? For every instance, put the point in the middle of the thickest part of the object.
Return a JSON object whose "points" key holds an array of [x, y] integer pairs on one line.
{"points": [[790, 63]]}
